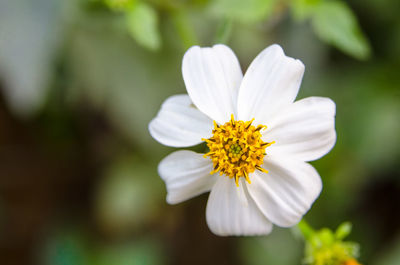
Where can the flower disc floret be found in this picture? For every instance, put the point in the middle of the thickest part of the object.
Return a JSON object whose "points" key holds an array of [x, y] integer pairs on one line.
{"points": [[236, 149]]}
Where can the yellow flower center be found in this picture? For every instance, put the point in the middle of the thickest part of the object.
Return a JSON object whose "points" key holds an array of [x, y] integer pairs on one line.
{"points": [[236, 149]]}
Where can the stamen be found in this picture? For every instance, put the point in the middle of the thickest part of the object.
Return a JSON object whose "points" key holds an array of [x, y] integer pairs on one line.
{"points": [[249, 123], [262, 169], [232, 120], [236, 149]]}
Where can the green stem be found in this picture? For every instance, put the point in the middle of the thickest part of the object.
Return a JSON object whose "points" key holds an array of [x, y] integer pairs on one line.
{"points": [[224, 31], [184, 28], [306, 230]]}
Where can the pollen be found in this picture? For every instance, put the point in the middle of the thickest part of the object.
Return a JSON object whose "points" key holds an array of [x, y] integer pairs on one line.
{"points": [[236, 149]]}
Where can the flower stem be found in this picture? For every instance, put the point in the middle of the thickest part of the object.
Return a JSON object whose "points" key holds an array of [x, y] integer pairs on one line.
{"points": [[224, 31], [306, 230], [184, 28]]}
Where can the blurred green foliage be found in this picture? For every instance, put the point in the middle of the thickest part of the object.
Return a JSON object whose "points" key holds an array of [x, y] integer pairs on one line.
{"points": [[70, 245], [126, 198], [142, 22], [82, 79], [332, 20], [281, 247], [250, 12]]}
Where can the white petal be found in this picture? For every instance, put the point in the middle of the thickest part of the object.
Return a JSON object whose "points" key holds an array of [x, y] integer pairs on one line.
{"points": [[212, 77], [179, 123], [287, 191], [305, 130], [186, 175], [231, 211], [271, 83]]}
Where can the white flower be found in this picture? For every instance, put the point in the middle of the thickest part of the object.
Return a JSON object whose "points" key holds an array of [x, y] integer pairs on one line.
{"points": [[258, 140]]}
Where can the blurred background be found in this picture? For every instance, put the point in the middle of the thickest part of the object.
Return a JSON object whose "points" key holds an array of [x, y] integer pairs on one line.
{"points": [[81, 79]]}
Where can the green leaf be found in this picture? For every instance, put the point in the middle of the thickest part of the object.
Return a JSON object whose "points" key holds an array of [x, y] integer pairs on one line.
{"points": [[343, 230], [303, 9], [335, 23], [120, 5], [142, 24], [245, 11]]}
